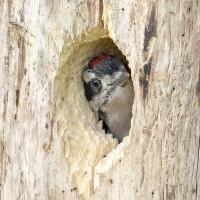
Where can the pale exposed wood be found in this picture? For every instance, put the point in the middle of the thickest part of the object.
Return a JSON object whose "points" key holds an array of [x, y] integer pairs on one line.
{"points": [[43, 45]]}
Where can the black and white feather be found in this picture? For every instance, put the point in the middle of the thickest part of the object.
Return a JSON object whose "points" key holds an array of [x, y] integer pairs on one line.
{"points": [[109, 90]]}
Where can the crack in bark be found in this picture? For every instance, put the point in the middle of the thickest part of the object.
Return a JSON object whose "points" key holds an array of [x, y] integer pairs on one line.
{"points": [[17, 97], [144, 78], [150, 29]]}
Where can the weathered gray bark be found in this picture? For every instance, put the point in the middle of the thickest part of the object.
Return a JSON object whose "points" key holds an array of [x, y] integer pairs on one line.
{"points": [[51, 143]]}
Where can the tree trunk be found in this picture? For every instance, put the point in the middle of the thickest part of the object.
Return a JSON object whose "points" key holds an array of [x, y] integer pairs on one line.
{"points": [[52, 145]]}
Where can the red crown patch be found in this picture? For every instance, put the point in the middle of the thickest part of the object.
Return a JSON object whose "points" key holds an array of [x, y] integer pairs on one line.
{"points": [[97, 60]]}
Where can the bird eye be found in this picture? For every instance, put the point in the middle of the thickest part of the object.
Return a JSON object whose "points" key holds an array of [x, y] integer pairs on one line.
{"points": [[96, 83]]}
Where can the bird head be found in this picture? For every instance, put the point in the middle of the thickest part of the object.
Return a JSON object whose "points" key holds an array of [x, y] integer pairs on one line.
{"points": [[101, 77]]}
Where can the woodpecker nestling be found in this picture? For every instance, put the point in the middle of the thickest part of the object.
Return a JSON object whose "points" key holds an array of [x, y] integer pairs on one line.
{"points": [[109, 90]]}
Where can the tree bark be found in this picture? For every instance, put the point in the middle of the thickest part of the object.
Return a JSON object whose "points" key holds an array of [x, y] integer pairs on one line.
{"points": [[51, 143]]}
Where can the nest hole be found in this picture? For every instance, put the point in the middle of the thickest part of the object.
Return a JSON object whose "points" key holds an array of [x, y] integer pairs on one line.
{"points": [[85, 142]]}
